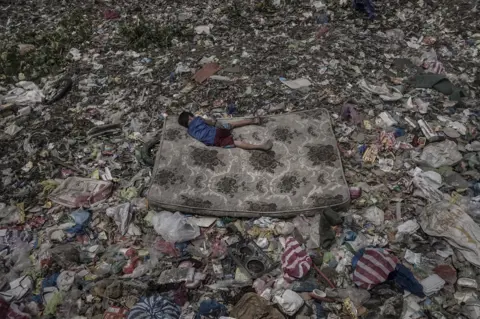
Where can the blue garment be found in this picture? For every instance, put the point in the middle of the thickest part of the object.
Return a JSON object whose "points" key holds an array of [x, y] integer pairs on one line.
{"points": [[366, 6], [357, 257], [320, 311], [201, 131], [211, 309], [231, 109], [406, 280]]}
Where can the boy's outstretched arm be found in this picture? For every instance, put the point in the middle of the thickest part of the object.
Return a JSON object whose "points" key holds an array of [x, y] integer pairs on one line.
{"points": [[210, 122]]}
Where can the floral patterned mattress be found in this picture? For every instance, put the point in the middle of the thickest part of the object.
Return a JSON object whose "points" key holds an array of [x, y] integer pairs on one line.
{"points": [[302, 174]]}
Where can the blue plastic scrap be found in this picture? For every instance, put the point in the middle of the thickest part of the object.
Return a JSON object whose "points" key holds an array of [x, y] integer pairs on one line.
{"points": [[81, 218], [231, 109], [322, 18], [366, 6], [211, 309]]}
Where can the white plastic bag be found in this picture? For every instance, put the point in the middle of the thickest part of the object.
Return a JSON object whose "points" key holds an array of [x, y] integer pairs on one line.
{"points": [[288, 300], [374, 215], [451, 222], [441, 154], [174, 228], [427, 185]]}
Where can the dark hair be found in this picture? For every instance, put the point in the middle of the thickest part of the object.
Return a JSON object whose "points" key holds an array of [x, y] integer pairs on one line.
{"points": [[183, 118]]}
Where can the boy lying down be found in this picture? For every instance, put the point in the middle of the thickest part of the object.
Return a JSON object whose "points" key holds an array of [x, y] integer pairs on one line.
{"points": [[206, 132]]}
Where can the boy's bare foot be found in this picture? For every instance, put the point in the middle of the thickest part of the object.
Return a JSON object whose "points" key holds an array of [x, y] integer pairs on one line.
{"points": [[268, 145]]}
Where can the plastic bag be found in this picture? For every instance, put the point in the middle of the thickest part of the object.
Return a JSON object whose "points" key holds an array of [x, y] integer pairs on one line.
{"points": [[176, 275], [76, 191], [9, 214], [289, 301], [21, 257], [451, 222], [166, 248], [427, 185], [374, 215], [441, 154], [472, 207], [174, 227]]}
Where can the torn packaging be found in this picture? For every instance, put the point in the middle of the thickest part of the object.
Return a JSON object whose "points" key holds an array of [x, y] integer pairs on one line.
{"points": [[75, 192], [252, 306]]}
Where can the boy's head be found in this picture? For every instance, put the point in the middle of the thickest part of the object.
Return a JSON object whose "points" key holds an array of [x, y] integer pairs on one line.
{"points": [[184, 119]]}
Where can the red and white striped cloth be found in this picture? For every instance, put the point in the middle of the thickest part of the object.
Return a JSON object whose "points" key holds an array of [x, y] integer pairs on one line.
{"points": [[295, 261], [373, 268], [434, 67]]}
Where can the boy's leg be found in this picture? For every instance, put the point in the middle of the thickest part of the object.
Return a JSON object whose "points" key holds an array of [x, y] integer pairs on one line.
{"points": [[254, 121], [247, 146]]}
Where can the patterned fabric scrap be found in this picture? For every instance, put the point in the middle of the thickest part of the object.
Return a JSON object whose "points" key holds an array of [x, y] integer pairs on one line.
{"points": [[154, 307], [295, 261], [373, 267]]}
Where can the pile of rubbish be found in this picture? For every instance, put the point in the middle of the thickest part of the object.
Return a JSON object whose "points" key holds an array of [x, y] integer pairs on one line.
{"points": [[84, 92]]}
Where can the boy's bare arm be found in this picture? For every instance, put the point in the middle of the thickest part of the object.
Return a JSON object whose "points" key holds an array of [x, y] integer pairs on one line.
{"points": [[211, 122]]}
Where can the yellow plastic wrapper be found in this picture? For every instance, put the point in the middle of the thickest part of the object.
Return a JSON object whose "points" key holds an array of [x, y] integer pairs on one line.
{"points": [[370, 154], [350, 308]]}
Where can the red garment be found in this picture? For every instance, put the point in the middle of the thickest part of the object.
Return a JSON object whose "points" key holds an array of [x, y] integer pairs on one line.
{"points": [[8, 311], [295, 261], [223, 138], [111, 14], [373, 268]]}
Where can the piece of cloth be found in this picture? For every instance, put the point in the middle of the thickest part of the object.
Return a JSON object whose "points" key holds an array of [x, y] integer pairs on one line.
{"points": [[231, 109], [447, 273], [252, 306], [404, 278], [115, 313], [4, 306], [440, 83], [319, 311], [154, 307], [295, 261], [200, 130], [349, 113], [110, 14], [11, 311], [366, 6], [224, 138], [434, 67], [211, 309], [373, 267]]}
